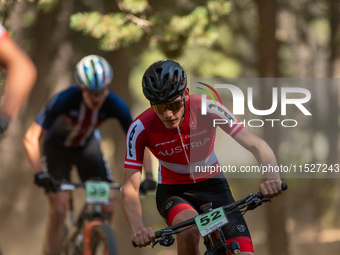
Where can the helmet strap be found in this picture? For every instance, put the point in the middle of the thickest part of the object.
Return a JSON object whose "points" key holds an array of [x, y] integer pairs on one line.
{"points": [[185, 109]]}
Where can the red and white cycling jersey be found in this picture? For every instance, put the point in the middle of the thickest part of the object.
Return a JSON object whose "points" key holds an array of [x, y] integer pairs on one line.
{"points": [[180, 150], [3, 33]]}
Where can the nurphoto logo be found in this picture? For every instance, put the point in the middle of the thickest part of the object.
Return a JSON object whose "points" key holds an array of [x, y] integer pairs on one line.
{"points": [[238, 99]]}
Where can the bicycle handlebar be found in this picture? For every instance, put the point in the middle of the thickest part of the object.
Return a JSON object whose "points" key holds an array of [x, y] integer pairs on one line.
{"points": [[169, 231], [65, 185]]}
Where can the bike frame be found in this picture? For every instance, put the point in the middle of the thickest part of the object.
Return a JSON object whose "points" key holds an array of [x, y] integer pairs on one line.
{"points": [[89, 217]]}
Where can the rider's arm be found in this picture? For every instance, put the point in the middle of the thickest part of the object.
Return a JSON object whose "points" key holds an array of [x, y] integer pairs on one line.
{"points": [[20, 77], [147, 164], [31, 143], [133, 210], [148, 184], [120, 110], [265, 157]]}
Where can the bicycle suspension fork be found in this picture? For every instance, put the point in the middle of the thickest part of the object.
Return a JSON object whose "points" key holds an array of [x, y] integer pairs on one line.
{"points": [[216, 243]]}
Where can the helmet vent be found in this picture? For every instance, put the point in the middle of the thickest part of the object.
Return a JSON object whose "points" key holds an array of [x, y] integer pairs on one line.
{"points": [[164, 81], [174, 81]]}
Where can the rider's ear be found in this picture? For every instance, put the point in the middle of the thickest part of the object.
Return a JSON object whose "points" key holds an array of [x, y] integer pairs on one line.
{"points": [[186, 94]]}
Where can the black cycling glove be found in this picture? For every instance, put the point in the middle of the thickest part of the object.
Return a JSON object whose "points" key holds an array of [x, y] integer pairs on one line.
{"points": [[46, 181], [4, 121], [147, 185]]}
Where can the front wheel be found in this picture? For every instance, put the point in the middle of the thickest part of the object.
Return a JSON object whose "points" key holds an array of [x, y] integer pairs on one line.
{"points": [[103, 240], [72, 244], [221, 252]]}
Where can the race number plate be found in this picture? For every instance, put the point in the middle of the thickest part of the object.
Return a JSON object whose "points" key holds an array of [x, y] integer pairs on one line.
{"points": [[209, 222], [97, 192]]}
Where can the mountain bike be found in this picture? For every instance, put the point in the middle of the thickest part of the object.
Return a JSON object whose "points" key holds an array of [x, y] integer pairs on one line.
{"points": [[209, 225], [90, 233]]}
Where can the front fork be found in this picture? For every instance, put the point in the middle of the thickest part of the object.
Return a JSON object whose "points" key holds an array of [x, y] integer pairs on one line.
{"points": [[216, 244], [234, 247]]}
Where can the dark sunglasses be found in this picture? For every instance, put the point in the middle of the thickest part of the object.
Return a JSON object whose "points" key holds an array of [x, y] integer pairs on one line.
{"points": [[173, 106], [95, 93]]}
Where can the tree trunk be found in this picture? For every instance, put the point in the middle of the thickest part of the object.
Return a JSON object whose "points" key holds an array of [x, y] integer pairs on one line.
{"points": [[333, 96], [116, 135], [333, 90], [268, 66]]}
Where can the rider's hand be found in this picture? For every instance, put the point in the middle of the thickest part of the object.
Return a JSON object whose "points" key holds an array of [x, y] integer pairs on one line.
{"points": [[45, 180], [271, 188], [4, 121], [144, 237], [147, 185]]}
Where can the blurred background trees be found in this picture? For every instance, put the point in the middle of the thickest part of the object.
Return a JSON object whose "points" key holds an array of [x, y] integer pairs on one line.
{"points": [[210, 38]]}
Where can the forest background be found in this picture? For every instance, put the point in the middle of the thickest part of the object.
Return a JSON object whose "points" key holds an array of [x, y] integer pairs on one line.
{"points": [[211, 39]]}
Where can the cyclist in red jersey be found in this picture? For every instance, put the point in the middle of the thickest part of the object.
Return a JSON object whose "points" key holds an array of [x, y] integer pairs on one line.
{"points": [[168, 128], [20, 77]]}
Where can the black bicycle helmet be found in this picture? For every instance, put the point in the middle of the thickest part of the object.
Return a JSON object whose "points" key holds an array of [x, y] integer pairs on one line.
{"points": [[164, 81]]}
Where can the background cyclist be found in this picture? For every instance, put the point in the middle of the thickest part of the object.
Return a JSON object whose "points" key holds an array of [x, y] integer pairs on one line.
{"points": [[69, 125], [20, 77], [165, 129]]}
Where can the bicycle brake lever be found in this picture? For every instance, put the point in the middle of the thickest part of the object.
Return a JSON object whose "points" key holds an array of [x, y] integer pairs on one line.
{"points": [[167, 241], [265, 200], [156, 242], [164, 241], [255, 204]]}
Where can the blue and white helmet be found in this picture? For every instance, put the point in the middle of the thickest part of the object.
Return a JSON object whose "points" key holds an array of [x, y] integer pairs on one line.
{"points": [[93, 72]]}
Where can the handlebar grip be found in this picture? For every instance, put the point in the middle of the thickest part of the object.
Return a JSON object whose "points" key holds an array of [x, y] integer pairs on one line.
{"points": [[157, 235], [284, 186]]}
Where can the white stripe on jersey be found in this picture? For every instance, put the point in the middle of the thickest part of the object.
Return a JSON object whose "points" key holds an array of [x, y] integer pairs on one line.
{"points": [[235, 128], [91, 128], [224, 114], [185, 169], [135, 129], [75, 130], [132, 163]]}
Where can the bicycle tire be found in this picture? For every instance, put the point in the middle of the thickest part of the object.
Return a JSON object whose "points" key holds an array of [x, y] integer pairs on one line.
{"points": [[103, 240], [70, 247], [221, 253]]}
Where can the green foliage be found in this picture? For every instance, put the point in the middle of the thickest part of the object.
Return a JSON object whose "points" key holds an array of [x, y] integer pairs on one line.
{"points": [[112, 30], [135, 6], [218, 9], [48, 5], [28, 18], [170, 30], [205, 62], [194, 29]]}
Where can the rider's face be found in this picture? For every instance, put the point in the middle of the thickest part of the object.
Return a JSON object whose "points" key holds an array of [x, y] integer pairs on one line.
{"points": [[94, 99], [172, 119]]}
